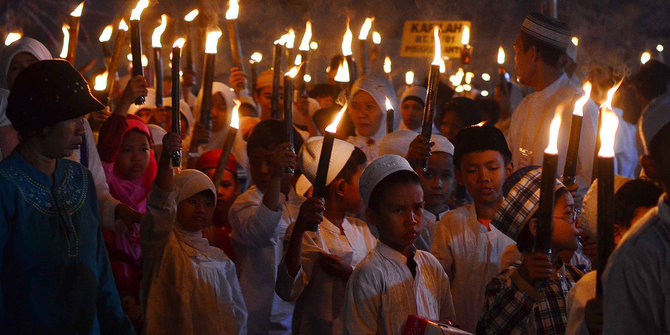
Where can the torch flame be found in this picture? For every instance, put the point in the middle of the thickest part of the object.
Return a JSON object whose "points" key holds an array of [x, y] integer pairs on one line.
{"points": [[332, 128], [256, 57], [610, 123], [307, 78], [156, 36], [501, 55], [11, 38], [293, 72], [298, 60], [235, 118], [304, 45], [468, 77], [233, 10], [387, 65], [212, 41], [438, 47], [191, 15], [575, 41], [610, 95], [342, 74], [409, 78], [137, 12], [388, 104], [481, 124], [466, 36], [122, 25], [313, 45], [290, 41], [106, 34], [646, 56], [365, 29], [77, 11], [659, 47], [376, 37], [554, 128], [581, 102], [486, 76], [100, 82], [282, 40], [179, 43], [346, 41], [66, 40]]}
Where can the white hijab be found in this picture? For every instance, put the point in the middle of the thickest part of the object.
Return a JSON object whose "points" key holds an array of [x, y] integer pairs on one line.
{"points": [[379, 88], [25, 44]]}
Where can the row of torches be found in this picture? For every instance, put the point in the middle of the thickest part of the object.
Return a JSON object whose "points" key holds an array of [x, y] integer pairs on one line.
{"points": [[608, 121]]}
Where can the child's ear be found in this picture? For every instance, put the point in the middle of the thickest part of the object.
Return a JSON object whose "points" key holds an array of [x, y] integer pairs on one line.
{"points": [[338, 186], [509, 167], [649, 167], [532, 225]]}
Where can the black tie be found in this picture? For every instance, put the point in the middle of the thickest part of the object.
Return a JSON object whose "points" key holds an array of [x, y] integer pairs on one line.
{"points": [[411, 264]]}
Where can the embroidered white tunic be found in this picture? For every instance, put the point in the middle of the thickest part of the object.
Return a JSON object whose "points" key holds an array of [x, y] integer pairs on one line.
{"points": [[320, 296], [381, 292]]}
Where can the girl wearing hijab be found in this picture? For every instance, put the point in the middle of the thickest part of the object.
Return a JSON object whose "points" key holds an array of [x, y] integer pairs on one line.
{"points": [[412, 103], [189, 287]]}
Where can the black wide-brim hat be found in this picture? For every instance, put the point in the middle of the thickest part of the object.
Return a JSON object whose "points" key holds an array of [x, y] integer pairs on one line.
{"points": [[48, 92]]}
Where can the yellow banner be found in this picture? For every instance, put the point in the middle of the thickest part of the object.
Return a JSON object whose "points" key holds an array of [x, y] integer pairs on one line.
{"points": [[418, 41]]}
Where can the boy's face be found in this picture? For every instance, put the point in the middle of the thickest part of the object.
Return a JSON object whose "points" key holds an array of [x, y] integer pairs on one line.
{"points": [[350, 194], [264, 98], [227, 192], [451, 125], [483, 174], [196, 212], [438, 179], [564, 234], [399, 218]]}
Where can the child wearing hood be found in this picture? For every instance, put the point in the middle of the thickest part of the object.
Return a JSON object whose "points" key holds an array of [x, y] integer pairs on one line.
{"points": [[189, 287], [412, 103]]}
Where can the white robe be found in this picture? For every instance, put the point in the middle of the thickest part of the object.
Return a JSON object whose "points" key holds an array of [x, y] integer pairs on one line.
{"points": [[635, 282], [381, 292], [583, 291], [188, 286], [529, 128], [320, 296], [625, 147], [470, 255], [258, 235]]}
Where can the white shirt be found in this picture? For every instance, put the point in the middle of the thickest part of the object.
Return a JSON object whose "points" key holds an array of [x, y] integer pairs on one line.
{"points": [[320, 296], [625, 147], [583, 291], [381, 292], [188, 287], [429, 221], [470, 255], [529, 128], [369, 146], [258, 235], [636, 281]]}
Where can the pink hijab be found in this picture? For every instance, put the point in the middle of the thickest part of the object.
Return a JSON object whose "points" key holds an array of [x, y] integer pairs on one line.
{"points": [[132, 192]]}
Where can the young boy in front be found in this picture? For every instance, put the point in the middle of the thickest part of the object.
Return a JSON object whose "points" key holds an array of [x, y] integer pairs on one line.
{"points": [[465, 243], [317, 264], [394, 280]]}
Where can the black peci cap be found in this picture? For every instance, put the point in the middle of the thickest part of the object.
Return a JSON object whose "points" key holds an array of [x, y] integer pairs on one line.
{"points": [[477, 139]]}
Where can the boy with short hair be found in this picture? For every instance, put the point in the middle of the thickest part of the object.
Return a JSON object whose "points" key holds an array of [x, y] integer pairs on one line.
{"points": [[465, 243], [317, 265], [259, 218], [394, 280]]}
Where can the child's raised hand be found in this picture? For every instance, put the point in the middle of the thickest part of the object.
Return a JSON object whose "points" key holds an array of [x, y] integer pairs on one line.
{"points": [[282, 158], [310, 215], [237, 78], [419, 150], [136, 87], [200, 136], [171, 142], [536, 266]]}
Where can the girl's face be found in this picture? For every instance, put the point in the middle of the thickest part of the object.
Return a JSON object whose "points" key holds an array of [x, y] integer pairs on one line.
{"points": [[196, 212], [219, 111], [21, 61], [365, 114], [412, 113], [451, 125], [134, 155]]}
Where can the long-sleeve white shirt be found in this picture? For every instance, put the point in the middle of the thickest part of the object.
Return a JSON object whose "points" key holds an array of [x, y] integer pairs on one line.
{"points": [[186, 291], [636, 281], [470, 255], [320, 296], [429, 221], [382, 292], [583, 291], [258, 235], [529, 128]]}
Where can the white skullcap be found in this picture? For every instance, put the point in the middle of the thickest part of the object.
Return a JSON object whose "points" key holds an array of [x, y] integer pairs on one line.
{"points": [[379, 169], [654, 118], [149, 102], [264, 79], [302, 185], [184, 110], [397, 143], [589, 216], [548, 30], [414, 91], [190, 182], [571, 51], [310, 153], [157, 133]]}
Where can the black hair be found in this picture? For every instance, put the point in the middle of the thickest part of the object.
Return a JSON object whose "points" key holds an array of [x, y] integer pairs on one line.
{"points": [[267, 134], [658, 146], [525, 240], [549, 54], [479, 139], [631, 196], [324, 90], [402, 177], [356, 159], [652, 79], [465, 108], [490, 111]]}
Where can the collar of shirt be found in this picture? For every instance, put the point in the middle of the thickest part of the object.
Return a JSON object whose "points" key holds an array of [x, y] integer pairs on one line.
{"points": [[551, 89], [429, 215], [331, 227], [391, 254]]}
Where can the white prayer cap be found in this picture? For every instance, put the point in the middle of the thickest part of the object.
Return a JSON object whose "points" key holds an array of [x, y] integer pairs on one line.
{"points": [[414, 91], [157, 133], [379, 169], [264, 79], [310, 153], [397, 143], [571, 51], [548, 30], [149, 102], [588, 219], [654, 118], [184, 110], [302, 185], [190, 182]]}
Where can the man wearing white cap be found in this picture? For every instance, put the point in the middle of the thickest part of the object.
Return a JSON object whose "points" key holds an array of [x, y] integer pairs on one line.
{"points": [[538, 49], [317, 265], [394, 280], [638, 270]]}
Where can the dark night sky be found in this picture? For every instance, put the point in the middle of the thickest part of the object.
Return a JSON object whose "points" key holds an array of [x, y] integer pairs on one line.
{"points": [[611, 32]]}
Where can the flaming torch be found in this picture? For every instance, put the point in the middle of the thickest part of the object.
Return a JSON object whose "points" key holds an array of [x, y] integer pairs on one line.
{"points": [[570, 169], [362, 40], [276, 73], [104, 38], [255, 58], [176, 60], [11, 38], [158, 60], [409, 78], [347, 53], [290, 44], [116, 56], [74, 32], [235, 47], [66, 40], [189, 43], [208, 79], [288, 106], [605, 106], [466, 51], [324, 157], [389, 116], [304, 55], [387, 67], [227, 145], [431, 94], [136, 42], [545, 211], [376, 41]]}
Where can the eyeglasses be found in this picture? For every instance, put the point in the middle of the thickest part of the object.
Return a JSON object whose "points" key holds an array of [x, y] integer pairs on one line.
{"points": [[572, 217]]}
